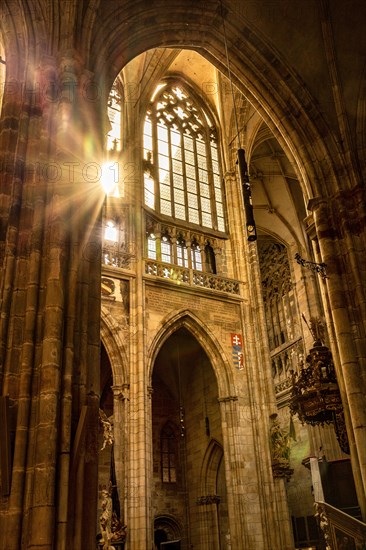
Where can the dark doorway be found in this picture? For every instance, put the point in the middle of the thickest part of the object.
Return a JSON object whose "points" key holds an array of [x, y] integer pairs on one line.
{"points": [[159, 537]]}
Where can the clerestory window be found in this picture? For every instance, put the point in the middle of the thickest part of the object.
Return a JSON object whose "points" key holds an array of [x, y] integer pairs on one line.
{"points": [[182, 252], [196, 256], [182, 177], [114, 115]]}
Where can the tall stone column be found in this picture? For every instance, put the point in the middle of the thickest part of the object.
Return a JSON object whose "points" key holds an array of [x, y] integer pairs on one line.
{"points": [[139, 521], [345, 350], [120, 423], [52, 373]]}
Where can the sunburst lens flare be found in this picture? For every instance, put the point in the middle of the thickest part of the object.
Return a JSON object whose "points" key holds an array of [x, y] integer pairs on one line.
{"points": [[109, 177]]}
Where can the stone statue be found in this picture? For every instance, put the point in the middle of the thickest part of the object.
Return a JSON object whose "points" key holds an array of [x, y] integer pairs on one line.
{"points": [[105, 519], [107, 429]]}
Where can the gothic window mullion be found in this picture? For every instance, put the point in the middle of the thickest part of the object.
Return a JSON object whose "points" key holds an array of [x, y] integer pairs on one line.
{"points": [[155, 159], [197, 180], [187, 175], [171, 175], [211, 179]]}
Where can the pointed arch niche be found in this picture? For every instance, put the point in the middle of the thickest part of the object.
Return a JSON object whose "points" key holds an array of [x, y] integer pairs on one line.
{"points": [[114, 390], [185, 419]]}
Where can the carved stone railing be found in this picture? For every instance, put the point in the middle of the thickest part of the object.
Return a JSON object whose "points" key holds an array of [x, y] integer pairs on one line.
{"points": [[114, 256], [339, 529], [191, 277]]}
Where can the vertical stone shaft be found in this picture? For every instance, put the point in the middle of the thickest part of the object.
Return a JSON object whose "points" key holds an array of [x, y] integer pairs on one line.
{"points": [[349, 368]]}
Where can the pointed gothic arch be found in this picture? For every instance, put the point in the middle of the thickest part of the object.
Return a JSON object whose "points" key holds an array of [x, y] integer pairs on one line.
{"points": [[210, 466], [110, 336], [201, 332], [271, 86]]}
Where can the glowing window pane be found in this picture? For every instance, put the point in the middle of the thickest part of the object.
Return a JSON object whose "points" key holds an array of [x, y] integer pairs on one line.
{"points": [[190, 171], [166, 252], [147, 128], [215, 167], [151, 248], [175, 138], [206, 219], [189, 157], [149, 183], [163, 148], [148, 142], [165, 207], [193, 216], [188, 143], [178, 181], [110, 232], [180, 212], [191, 186], [218, 195], [192, 200], [164, 176], [176, 153], [201, 147], [201, 163], [179, 196], [219, 209], [221, 224], [204, 176], [177, 166], [217, 180], [205, 205], [163, 162], [165, 192], [196, 258], [149, 191], [162, 133], [182, 255], [204, 190], [213, 151], [149, 199]]}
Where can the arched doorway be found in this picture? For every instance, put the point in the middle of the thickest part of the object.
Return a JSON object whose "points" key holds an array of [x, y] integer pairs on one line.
{"points": [[185, 417], [166, 529]]}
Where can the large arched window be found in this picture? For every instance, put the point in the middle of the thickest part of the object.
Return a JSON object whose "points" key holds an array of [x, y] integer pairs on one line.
{"points": [[182, 169]]}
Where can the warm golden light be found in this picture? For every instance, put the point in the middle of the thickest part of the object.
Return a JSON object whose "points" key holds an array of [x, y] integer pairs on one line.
{"points": [[109, 177]]}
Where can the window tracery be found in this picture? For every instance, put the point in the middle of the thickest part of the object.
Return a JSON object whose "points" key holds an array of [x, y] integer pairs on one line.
{"points": [[182, 177], [281, 312], [114, 115]]}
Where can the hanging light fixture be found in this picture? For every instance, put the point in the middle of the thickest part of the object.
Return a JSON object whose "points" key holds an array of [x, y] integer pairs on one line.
{"points": [[181, 408], [241, 162], [316, 398]]}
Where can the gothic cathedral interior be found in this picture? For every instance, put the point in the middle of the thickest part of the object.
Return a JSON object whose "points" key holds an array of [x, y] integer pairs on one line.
{"points": [[182, 275]]}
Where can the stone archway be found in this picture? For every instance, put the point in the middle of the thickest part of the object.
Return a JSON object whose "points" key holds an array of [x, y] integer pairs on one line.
{"points": [[185, 415], [271, 86], [166, 528]]}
